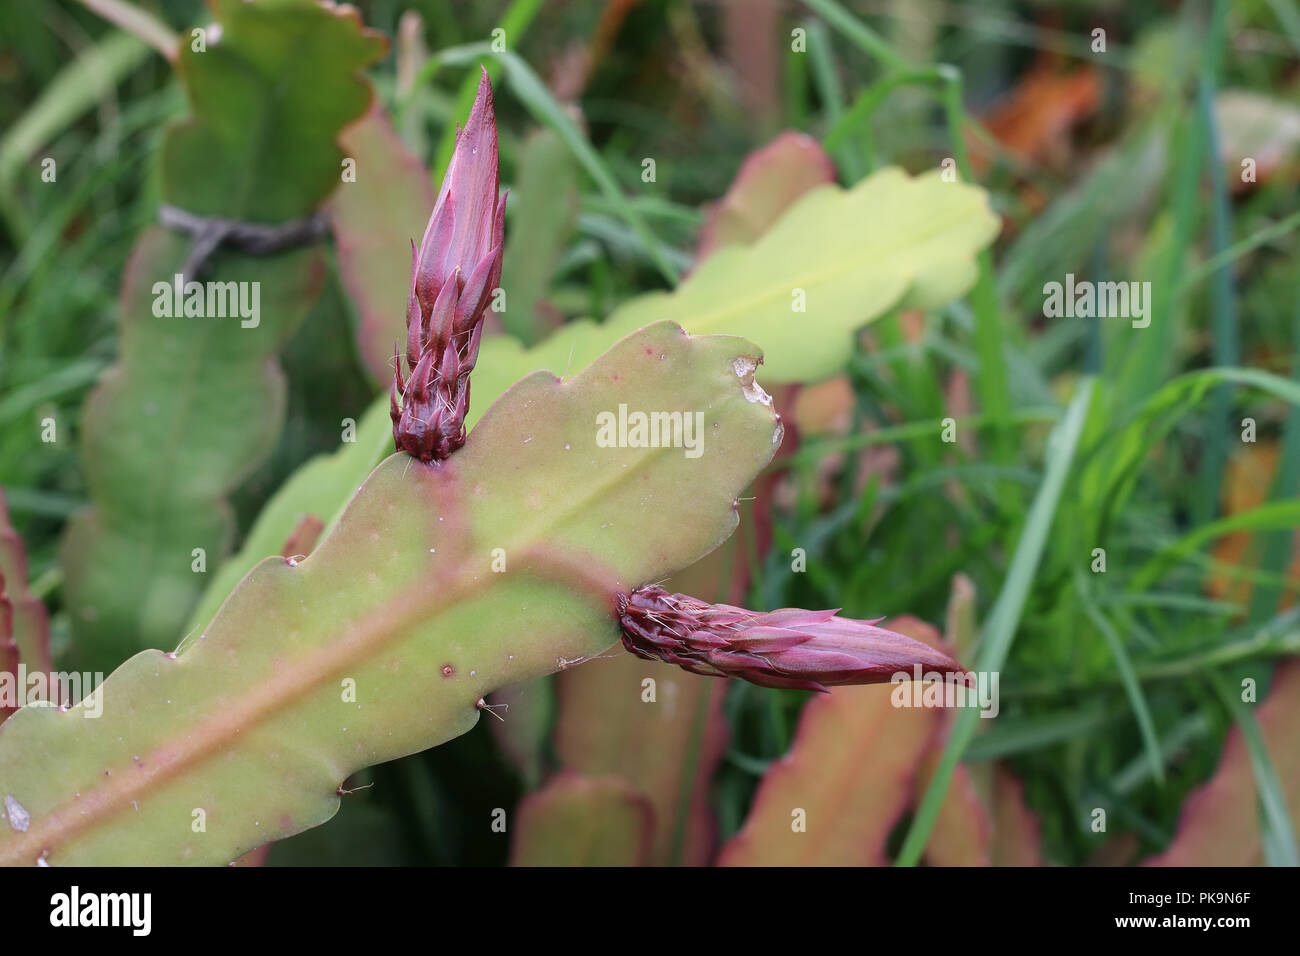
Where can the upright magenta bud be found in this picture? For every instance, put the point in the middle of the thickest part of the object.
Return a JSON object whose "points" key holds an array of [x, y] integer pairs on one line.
{"points": [[806, 650], [453, 275]]}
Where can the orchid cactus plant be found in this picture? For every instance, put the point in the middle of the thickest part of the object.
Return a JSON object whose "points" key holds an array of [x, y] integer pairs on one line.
{"points": [[464, 563]]}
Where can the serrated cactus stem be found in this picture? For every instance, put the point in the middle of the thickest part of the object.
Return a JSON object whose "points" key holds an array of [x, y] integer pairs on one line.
{"points": [[222, 728]]}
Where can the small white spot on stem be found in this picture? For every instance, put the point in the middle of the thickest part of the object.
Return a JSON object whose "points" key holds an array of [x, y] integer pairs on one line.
{"points": [[18, 817]]}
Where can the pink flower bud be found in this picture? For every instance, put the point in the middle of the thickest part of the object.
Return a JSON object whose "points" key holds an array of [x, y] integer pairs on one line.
{"points": [[453, 275], [807, 650]]}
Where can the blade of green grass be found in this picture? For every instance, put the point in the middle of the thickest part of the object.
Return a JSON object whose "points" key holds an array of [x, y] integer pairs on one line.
{"points": [[515, 23], [1226, 348], [79, 374], [1277, 637], [992, 384], [1237, 250], [1033, 733], [1183, 733], [140, 23], [1000, 629], [814, 451], [868, 101], [1132, 686], [1271, 516], [1151, 358], [865, 38], [91, 76], [1288, 17], [1121, 449], [848, 153], [1276, 833]]}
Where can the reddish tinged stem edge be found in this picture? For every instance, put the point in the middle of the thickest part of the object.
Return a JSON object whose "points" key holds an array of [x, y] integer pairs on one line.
{"points": [[788, 648], [454, 273]]}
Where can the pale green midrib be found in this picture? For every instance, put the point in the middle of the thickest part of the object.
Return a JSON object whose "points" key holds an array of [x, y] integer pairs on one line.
{"points": [[584, 502]]}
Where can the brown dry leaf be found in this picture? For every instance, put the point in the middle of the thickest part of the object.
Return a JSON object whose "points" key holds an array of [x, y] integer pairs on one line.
{"points": [[962, 829], [848, 778], [1034, 120], [825, 408], [1015, 828], [1247, 483], [607, 726]]}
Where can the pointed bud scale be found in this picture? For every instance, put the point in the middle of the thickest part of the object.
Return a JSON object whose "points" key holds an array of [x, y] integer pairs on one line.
{"points": [[805, 650], [440, 316], [474, 293], [453, 274], [414, 321]]}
